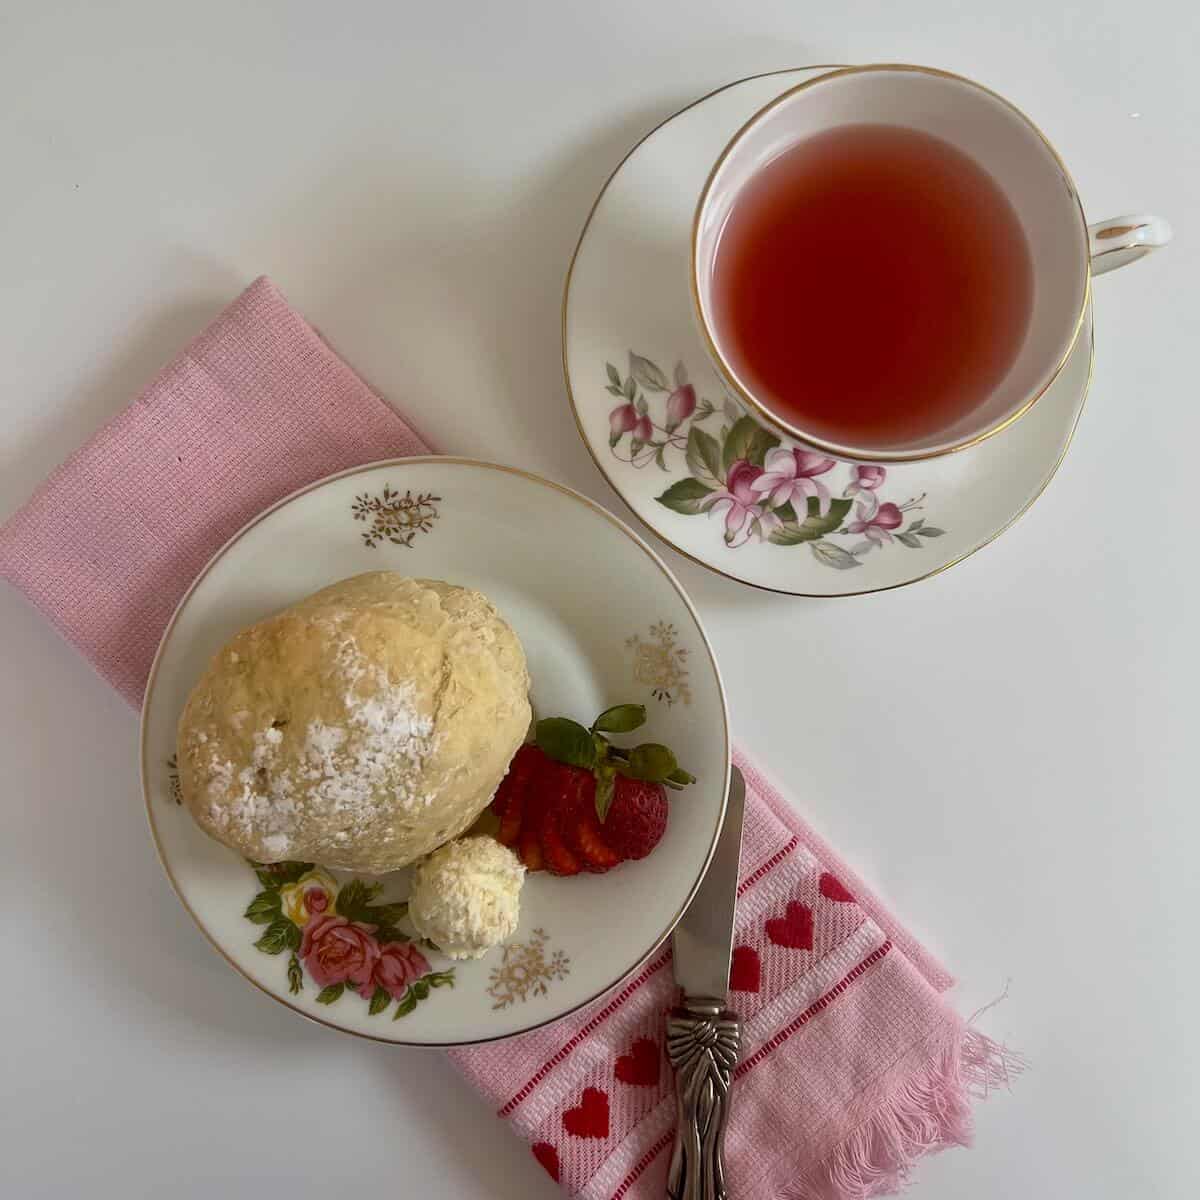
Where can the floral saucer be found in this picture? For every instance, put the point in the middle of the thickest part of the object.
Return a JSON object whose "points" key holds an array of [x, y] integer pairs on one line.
{"points": [[602, 621], [699, 469]]}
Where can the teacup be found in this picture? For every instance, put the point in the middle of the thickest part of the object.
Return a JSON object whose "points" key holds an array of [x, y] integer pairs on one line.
{"points": [[1065, 251]]}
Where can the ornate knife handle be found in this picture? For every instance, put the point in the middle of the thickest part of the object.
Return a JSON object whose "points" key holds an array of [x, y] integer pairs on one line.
{"points": [[703, 1044]]}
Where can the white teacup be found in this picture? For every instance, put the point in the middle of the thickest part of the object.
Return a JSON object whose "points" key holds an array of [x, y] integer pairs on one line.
{"points": [[1066, 252]]}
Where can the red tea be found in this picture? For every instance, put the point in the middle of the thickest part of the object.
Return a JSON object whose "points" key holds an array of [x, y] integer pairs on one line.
{"points": [[872, 285]]}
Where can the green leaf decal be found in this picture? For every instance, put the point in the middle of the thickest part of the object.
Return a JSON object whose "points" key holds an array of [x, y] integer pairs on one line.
{"points": [[704, 456], [686, 496], [264, 908], [647, 374], [749, 440], [275, 875], [566, 741], [834, 556], [910, 540], [814, 526], [295, 975], [932, 531], [352, 898], [406, 1005], [327, 995], [614, 376], [621, 718], [278, 937], [385, 914], [380, 999]]}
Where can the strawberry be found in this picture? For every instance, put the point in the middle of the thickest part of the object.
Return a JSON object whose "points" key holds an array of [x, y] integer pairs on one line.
{"points": [[558, 858], [636, 818], [593, 842], [509, 800], [573, 801], [531, 850]]}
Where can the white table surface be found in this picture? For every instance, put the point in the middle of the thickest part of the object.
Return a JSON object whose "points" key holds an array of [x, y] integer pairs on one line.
{"points": [[1002, 748]]}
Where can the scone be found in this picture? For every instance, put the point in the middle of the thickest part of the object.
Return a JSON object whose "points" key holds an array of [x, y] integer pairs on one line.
{"points": [[361, 728]]}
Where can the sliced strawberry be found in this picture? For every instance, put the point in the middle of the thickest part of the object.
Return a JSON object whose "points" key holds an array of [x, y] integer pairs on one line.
{"points": [[637, 818], [535, 801], [509, 801], [531, 850], [558, 858], [588, 837]]}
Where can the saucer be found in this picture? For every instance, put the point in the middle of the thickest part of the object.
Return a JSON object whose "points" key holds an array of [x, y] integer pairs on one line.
{"points": [[589, 645], [686, 456]]}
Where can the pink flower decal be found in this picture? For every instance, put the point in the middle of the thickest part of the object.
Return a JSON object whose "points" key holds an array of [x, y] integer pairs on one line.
{"points": [[620, 421], [740, 501], [789, 478], [339, 951], [877, 525], [681, 403], [400, 963], [718, 459], [864, 482]]}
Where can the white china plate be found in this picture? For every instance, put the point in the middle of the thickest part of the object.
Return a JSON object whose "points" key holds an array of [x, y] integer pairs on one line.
{"points": [[602, 621], [629, 334]]}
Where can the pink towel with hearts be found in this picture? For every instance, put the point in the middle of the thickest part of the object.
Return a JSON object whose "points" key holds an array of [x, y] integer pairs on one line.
{"points": [[853, 1064]]}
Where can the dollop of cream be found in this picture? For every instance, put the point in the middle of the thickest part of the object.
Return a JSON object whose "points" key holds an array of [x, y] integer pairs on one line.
{"points": [[466, 896]]}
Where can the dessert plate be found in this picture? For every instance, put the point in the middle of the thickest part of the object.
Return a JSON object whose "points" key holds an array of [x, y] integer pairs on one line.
{"points": [[684, 455], [602, 621]]}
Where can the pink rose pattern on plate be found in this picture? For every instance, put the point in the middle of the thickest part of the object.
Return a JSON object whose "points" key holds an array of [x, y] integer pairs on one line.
{"points": [[739, 473], [343, 940]]}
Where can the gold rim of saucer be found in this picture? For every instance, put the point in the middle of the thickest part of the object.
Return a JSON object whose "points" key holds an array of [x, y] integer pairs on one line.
{"points": [[439, 460], [700, 562], [772, 419]]}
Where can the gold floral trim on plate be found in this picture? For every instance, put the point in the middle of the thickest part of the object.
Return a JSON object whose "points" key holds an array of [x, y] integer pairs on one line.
{"points": [[174, 787], [661, 664], [526, 970], [394, 517]]}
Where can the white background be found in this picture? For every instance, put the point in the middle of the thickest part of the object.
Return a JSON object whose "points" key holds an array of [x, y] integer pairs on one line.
{"points": [[1001, 748]]}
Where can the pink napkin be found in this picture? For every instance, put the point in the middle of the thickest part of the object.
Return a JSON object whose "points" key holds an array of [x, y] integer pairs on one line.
{"points": [[853, 1064]]}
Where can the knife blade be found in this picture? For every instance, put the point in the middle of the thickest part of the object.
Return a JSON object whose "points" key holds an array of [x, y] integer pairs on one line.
{"points": [[703, 940], [703, 1037]]}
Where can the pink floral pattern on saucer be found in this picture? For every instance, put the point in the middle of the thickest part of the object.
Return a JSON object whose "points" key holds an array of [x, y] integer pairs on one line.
{"points": [[340, 939], [739, 472]]}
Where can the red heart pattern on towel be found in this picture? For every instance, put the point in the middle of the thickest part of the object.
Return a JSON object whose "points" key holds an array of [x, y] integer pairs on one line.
{"points": [[548, 1157], [793, 930], [589, 1118], [640, 1067], [832, 889], [745, 972]]}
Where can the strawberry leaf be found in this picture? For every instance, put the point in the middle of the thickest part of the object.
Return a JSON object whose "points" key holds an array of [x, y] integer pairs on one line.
{"points": [[566, 741], [621, 718], [652, 762], [680, 778]]}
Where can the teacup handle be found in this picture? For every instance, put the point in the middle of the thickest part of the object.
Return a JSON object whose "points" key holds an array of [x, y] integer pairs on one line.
{"points": [[1125, 239]]}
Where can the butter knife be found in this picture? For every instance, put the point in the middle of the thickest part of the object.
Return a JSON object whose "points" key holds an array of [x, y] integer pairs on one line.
{"points": [[703, 1036]]}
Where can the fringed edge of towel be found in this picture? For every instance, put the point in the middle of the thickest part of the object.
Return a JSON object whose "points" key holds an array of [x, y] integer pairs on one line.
{"points": [[919, 1112]]}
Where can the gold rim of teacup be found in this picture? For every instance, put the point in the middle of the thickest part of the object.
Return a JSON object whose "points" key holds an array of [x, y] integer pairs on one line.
{"points": [[773, 419]]}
